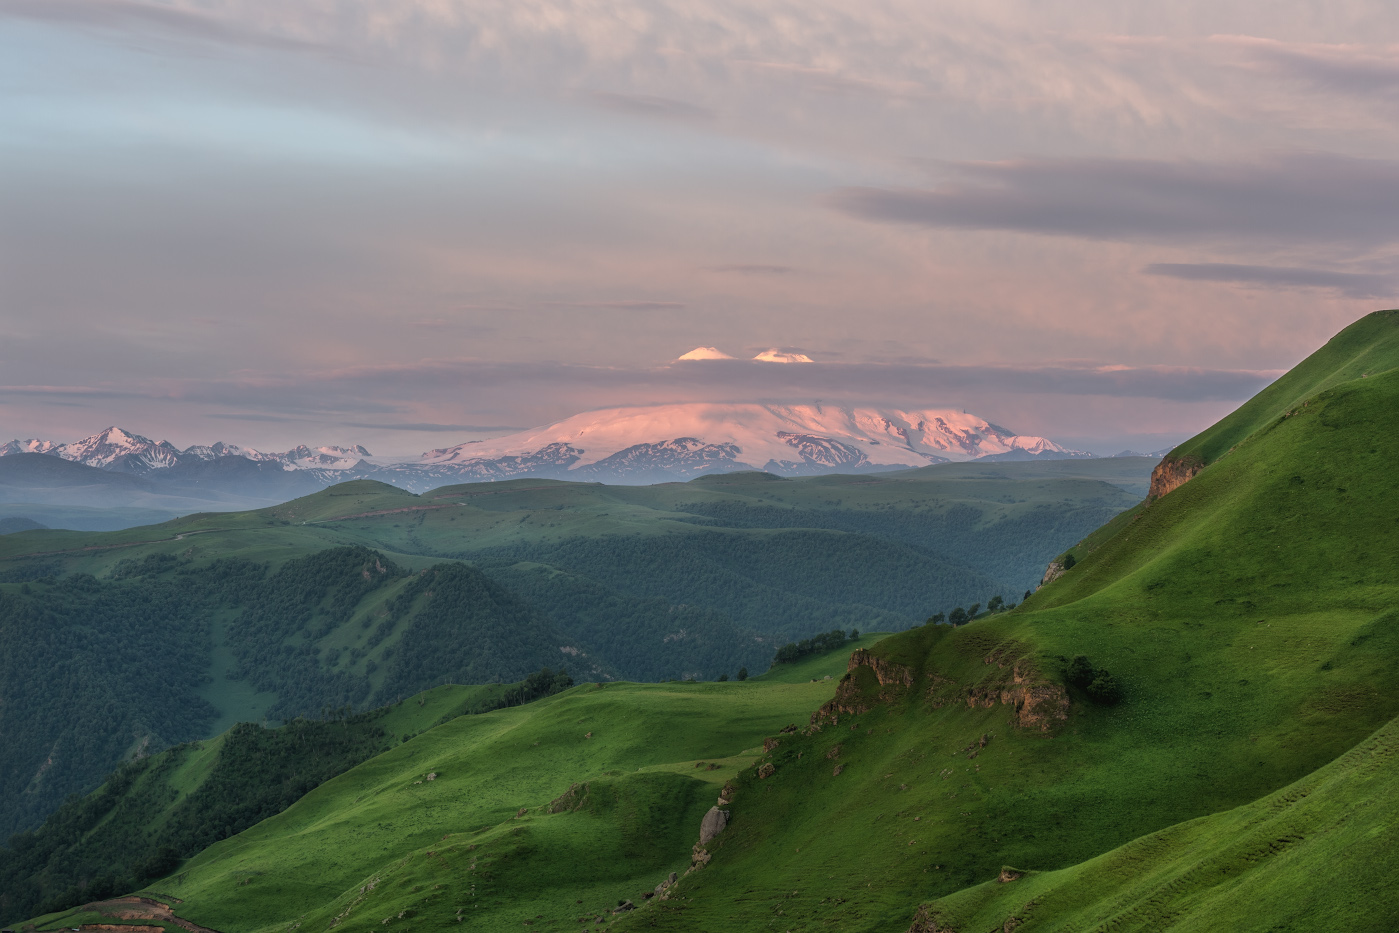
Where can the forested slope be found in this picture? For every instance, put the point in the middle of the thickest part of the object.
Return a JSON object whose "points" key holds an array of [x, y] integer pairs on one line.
{"points": [[154, 812], [363, 593]]}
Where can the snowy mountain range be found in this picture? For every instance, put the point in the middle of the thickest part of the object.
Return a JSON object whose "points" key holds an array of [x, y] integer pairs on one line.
{"points": [[620, 445], [124, 452]]}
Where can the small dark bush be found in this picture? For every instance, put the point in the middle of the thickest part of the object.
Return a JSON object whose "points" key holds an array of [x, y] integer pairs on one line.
{"points": [[1097, 684]]}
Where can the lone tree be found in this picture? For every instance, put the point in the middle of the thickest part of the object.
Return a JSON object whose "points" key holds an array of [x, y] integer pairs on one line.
{"points": [[743, 673], [958, 616], [996, 604]]}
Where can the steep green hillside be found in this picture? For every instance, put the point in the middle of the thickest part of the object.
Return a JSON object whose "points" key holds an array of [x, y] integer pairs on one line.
{"points": [[539, 813], [1366, 348], [1248, 618], [1317, 855]]}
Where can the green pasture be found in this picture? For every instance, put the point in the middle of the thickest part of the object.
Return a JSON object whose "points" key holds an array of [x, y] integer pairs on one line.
{"points": [[434, 846]]}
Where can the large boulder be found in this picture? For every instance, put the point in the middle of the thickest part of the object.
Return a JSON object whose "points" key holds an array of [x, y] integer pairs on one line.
{"points": [[713, 824]]}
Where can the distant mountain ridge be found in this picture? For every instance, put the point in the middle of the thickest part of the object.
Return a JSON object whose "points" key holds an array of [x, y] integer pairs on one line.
{"points": [[628, 445], [125, 452]]}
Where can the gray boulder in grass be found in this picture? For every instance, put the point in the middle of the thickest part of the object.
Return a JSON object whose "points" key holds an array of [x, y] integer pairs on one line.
{"points": [[713, 824]]}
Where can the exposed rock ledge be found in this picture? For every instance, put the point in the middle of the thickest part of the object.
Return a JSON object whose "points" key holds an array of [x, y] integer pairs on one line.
{"points": [[1172, 473], [1035, 703], [852, 698]]}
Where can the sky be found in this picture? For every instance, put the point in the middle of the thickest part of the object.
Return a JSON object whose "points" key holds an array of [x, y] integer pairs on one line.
{"points": [[409, 223]]}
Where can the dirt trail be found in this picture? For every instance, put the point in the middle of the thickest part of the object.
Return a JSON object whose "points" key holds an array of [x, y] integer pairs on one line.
{"points": [[411, 508], [139, 908], [492, 492]]}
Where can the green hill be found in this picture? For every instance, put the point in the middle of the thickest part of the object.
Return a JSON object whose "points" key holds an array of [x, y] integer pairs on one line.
{"points": [[154, 809], [1316, 855], [112, 643], [1367, 348], [592, 795], [1248, 619]]}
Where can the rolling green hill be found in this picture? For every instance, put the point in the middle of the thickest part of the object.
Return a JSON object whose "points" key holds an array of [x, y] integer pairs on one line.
{"points": [[629, 751], [1249, 618], [363, 593], [155, 810]]}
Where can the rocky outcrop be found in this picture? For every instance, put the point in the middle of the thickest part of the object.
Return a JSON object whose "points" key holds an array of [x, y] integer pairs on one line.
{"points": [[713, 824], [853, 695], [1054, 571], [1172, 473], [925, 922], [885, 671], [572, 799], [1036, 703]]}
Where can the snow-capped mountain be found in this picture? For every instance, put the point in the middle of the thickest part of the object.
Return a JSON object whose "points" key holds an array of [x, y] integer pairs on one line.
{"points": [[115, 449], [690, 439], [322, 458], [31, 446], [122, 451], [620, 445]]}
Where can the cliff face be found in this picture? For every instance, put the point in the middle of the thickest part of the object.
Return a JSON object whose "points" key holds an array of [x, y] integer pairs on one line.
{"points": [[1172, 473], [855, 694]]}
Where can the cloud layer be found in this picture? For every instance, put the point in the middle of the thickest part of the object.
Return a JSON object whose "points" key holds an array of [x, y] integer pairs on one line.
{"points": [[1277, 199], [428, 218]]}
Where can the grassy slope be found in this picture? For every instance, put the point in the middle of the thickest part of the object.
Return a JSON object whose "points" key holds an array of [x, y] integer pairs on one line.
{"points": [[1316, 855], [1368, 347], [149, 803], [460, 831], [1249, 616]]}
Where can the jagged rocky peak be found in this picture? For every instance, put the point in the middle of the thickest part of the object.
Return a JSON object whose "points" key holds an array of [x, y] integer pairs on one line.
{"points": [[116, 447]]}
